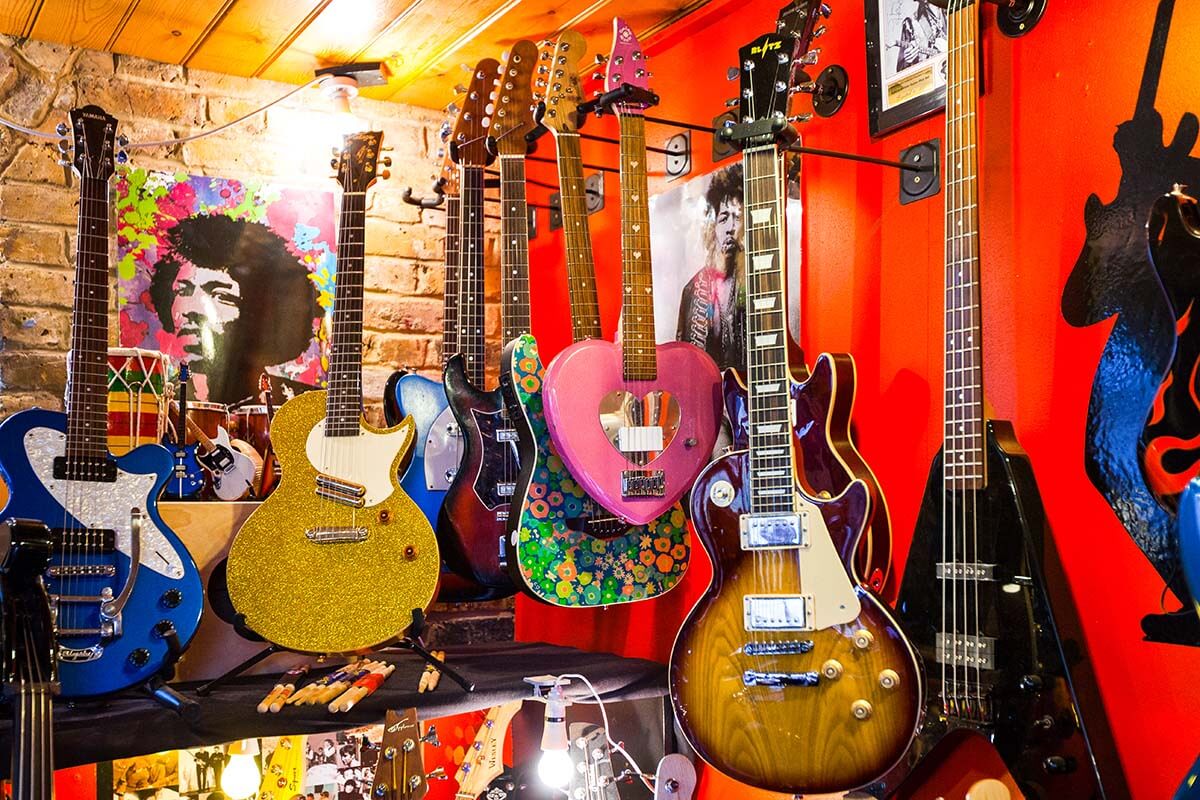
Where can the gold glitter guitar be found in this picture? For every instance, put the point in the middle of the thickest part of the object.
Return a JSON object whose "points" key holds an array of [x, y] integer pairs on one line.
{"points": [[338, 557]]}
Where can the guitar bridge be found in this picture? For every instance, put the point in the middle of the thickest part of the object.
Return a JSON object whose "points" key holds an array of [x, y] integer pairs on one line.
{"points": [[643, 483], [332, 534]]}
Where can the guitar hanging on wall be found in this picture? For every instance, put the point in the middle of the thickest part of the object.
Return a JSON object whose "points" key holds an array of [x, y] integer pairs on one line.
{"points": [[788, 674], [974, 597], [634, 422], [128, 594], [476, 509], [338, 517]]}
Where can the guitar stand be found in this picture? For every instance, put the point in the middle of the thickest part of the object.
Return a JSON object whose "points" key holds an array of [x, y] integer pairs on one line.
{"points": [[157, 686], [412, 641]]}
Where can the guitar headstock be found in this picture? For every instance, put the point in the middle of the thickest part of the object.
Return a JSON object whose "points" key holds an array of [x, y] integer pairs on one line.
{"points": [[468, 137], [357, 161], [484, 760], [400, 771], [93, 133], [675, 778], [592, 777], [627, 68], [563, 92], [30, 654], [512, 100], [767, 67]]}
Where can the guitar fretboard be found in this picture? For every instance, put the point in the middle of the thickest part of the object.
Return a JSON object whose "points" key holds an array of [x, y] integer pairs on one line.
{"points": [[450, 292], [514, 248], [964, 423], [87, 388], [343, 402], [637, 308], [471, 341], [769, 403], [581, 267]]}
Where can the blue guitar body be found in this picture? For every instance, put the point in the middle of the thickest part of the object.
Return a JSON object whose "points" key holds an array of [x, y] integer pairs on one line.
{"points": [[1189, 537], [166, 589], [187, 476], [438, 446]]}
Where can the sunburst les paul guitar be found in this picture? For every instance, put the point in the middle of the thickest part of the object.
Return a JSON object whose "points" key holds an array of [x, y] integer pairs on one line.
{"points": [[634, 422], [338, 557], [557, 529], [788, 674]]}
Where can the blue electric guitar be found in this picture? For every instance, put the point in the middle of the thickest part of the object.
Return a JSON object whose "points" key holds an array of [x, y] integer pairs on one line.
{"points": [[187, 478], [127, 594]]}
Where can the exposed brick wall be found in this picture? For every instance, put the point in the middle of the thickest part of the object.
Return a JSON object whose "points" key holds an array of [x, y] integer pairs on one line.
{"points": [[290, 143]]}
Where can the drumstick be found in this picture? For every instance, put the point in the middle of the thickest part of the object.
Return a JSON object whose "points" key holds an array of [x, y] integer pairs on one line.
{"points": [[327, 693], [361, 688], [300, 696], [283, 689], [435, 676], [431, 675]]}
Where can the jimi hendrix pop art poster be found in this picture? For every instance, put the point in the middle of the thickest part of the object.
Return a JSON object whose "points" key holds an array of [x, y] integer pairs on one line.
{"points": [[234, 278]]}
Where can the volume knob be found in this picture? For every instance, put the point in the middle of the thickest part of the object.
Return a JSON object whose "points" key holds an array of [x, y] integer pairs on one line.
{"points": [[861, 709], [171, 598], [889, 679], [139, 657], [863, 638], [832, 669]]}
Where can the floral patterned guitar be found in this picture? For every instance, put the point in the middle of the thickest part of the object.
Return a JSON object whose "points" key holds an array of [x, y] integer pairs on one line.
{"points": [[565, 548]]}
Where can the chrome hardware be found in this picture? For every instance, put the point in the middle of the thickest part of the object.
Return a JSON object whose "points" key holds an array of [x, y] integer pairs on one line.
{"points": [[811, 57], [110, 609], [733, 101], [438, 774], [83, 571], [779, 679], [643, 483], [825, 10], [889, 679], [760, 531], [721, 494], [62, 129], [777, 612], [340, 491], [79, 655], [863, 638], [966, 571], [506, 434], [862, 710], [832, 669], [506, 489], [961, 650], [431, 737], [818, 31], [800, 118], [332, 534], [785, 648]]}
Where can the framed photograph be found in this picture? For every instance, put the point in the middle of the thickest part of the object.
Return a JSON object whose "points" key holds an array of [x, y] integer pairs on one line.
{"points": [[906, 62]]}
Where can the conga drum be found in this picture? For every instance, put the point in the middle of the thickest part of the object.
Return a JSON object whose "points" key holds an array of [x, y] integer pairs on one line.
{"points": [[137, 407], [208, 417], [250, 423]]}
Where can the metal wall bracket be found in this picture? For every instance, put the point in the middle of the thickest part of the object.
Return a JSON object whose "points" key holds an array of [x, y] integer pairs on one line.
{"points": [[1019, 18], [833, 86], [722, 148], [916, 185], [679, 157], [533, 228], [593, 185]]}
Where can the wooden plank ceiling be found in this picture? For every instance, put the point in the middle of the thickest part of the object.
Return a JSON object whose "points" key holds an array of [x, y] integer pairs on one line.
{"points": [[425, 41]]}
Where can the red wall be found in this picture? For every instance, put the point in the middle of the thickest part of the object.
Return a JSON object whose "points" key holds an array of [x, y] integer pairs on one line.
{"points": [[873, 280]]}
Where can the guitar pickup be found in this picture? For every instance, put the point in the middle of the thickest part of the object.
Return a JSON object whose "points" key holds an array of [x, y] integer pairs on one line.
{"points": [[93, 469], [643, 483], [505, 489], [83, 540], [789, 648], [777, 612], [340, 491], [764, 531], [640, 439], [971, 651], [780, 679], [965, 571], [328, 534], [506, 434]]}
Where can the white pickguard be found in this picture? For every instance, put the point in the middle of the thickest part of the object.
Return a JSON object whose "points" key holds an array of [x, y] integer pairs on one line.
{"points": [[822, 573], [365, 459], [103, 505]]}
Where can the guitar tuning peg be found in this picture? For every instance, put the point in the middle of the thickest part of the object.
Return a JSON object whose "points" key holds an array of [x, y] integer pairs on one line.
{"points": [[601, 58], [333, 163], [438, 774], [122, 157], [460, 89], [597, 76], [334, 151], [731, 74], [818, 32], [800, 118], [63, 162], [811, 57], [431, 736], [385, 174], [733, 101], [386, 161], [808, 87], [387, 148], [63, 145], [62, 129], [466, 67], [122, 141], [825, 10], [540, 83], [452, 108]]}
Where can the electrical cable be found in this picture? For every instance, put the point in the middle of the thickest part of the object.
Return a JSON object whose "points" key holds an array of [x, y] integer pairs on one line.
{"points": [[604, 715], [8, 123]]}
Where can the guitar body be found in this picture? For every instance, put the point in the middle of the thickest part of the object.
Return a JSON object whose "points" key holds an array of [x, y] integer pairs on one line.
{"points": [[232, 472], [167, 586], [826, 459], [438, 446], [1040, 656], [565, 548], [323, 595], [581, 382], [790, 739], [187, 476]]}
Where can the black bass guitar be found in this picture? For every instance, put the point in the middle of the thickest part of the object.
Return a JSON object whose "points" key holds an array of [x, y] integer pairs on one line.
{"points": [[29, 657], [983, 596]]}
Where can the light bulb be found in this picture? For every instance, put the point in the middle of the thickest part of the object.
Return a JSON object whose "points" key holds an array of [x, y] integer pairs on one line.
{"points": [[241, 777], [554, 768]]}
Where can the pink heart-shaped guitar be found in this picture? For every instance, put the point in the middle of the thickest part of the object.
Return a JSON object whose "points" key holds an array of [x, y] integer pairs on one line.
{"points": [[635, 445]]}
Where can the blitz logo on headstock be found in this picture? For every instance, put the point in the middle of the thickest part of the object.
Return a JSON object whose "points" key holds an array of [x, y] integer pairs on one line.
{"points": [[766, 47]]}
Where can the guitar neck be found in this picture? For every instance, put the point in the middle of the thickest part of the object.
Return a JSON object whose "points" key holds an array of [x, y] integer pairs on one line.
{"points": [[637, 311], [766, 332], [964, 424], [33, 751], [195, 430], [514, 249], [87, 387], [471, 341], [450, 292], [581, 266], [343, 403]]}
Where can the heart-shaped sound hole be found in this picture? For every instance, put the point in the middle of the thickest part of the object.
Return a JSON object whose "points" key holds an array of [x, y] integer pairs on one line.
{"points": [[640, 428]]}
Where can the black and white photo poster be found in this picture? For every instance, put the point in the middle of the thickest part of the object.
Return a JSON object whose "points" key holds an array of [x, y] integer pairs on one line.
{"points": [[906, 54]]}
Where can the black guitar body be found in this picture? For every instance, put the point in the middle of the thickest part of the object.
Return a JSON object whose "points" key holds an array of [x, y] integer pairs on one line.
{"points": [[1035, 696], [474, 514]]}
